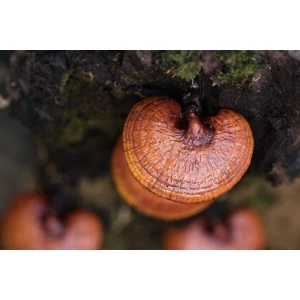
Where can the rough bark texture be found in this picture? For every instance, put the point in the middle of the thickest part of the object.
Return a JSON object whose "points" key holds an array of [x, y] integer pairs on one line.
{"points": [[75, 103]]}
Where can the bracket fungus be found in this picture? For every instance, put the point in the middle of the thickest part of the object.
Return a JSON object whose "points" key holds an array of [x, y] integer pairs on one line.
{"points": [[28, 224], [242, 230], [143, 200], [179, 157]]}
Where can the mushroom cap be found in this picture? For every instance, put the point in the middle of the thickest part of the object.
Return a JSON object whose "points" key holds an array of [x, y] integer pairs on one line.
{"points": [[185, 160], [243, 230], [25, 226], [141, 199]]}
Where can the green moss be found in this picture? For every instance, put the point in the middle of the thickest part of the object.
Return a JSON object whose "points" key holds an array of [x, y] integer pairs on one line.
{"points": [[110, 126], [261, 198], [73, 132], [82, 109], [74, 81], [238, 66], [65, 79], [183, 63]]}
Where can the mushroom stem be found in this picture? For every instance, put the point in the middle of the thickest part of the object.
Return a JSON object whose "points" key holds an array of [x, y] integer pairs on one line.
{"points": [[197, 133], [53, 226]]}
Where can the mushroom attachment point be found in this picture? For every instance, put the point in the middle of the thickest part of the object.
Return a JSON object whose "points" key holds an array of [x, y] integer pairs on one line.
{"points": [[178, 156]]}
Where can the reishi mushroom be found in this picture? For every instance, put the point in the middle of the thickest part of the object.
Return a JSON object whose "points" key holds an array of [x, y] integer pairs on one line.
{"points": [[29, 225], [242, 230], [179, 157], [143, 200]]}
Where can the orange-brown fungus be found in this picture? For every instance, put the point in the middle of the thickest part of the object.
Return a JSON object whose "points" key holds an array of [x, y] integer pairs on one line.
{"points": [[143, 200], [27, 225], [242, 230], [178, 157]]}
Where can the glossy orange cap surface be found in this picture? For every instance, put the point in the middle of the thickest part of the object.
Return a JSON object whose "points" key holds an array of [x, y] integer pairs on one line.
{"points": [[178, 157], [143, 200]]}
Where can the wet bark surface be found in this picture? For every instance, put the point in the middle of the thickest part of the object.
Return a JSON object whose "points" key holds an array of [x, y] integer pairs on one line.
{"points": [[75, 104]]}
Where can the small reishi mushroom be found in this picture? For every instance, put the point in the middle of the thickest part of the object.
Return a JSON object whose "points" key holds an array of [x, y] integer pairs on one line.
{"points": [[242, 230], [180, 158], [143, 200], [28, 225]]}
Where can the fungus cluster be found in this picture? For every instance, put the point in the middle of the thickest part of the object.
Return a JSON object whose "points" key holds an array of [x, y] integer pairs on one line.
{"points": [[169, 164], [28, 224], [173, 155]]}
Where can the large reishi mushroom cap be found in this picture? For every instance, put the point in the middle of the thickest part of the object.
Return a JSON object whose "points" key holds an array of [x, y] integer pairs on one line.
{"points": [[142, 199], [178, 157]]}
